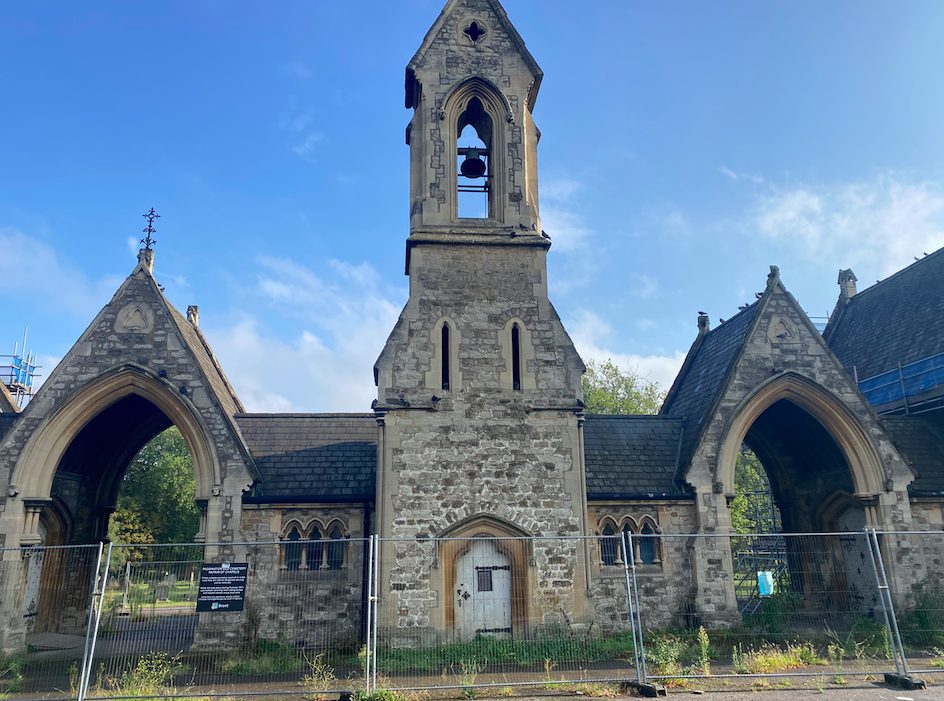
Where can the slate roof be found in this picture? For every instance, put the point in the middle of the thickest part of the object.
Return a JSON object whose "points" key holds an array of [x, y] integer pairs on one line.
{"points": [[897, 320], [312, 457], [920, 439], [632, 457], [6, 422], [702, 377], [204, 355]]}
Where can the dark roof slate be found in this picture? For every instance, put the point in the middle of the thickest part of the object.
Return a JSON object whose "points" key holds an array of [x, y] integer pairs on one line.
{"points": [[6, 422], [703, 375], [632, 456], [920, 439], [311, 457], [895, 321]]}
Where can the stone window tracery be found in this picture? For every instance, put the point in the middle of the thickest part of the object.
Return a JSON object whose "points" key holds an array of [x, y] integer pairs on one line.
{"points": [[646, 545], [313, 547]]}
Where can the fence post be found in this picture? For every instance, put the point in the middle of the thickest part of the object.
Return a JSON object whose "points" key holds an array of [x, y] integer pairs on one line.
{"points": [[376, 588], [632, 569], [629, 602], [96, 573], [369, 571], [102, 583], [901, 678]]}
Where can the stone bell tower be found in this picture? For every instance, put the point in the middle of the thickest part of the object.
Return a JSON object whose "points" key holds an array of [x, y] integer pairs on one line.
{"points": [[479, 400]]}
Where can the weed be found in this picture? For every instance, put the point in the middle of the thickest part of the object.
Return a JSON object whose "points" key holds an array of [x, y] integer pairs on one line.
{"points": [[840, 680], [771, 658], [379, 695], [596, 690], [704, 651], [11, 673], [150, 677], [470, 670], [319, 679], [505, 692], [265, 657]]}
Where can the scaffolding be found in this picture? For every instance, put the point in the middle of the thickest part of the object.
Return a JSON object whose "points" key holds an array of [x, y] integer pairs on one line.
{"points": [[910, 389], [18, 372]]}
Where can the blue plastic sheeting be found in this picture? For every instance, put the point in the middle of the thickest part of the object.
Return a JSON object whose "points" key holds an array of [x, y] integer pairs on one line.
{"points": [[19, 373], [914, 379]]}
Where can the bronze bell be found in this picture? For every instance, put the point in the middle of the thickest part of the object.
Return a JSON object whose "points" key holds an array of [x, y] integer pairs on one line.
{"points": [[473, 167]]}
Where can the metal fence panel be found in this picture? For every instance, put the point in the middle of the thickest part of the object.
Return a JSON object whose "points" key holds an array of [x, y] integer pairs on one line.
{"points": [[45, 594], [499, 612], [299, 631], [913, 565], [774, 605]]}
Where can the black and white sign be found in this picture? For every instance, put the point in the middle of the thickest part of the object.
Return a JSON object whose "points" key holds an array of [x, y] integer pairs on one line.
{"points": [[222, 587]]}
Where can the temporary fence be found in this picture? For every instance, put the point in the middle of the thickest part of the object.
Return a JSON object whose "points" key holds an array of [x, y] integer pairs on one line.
{"points": [[323, 617]]}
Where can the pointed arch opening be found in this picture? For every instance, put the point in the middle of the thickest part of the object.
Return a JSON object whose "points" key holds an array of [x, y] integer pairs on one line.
{"points": [[485, 578], [476, 112], [792, 452]]}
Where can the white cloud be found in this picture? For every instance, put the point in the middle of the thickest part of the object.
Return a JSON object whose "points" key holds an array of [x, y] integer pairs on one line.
{"points": [[560, 218], [883, 222], [306, 147], [643, 286], [591, 334], [329, 365], [60, 284], [735, 176], [566, 228]]}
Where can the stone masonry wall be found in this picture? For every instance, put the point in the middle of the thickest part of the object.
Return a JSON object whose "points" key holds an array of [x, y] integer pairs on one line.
{"points": [[666, 589]]}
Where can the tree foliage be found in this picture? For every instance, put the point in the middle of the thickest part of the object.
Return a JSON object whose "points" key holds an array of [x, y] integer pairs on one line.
{"points": [[156, 499], [753, 509], [607, 389]]}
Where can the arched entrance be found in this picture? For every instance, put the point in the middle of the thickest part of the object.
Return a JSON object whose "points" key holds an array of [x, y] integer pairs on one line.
{"points": [[824, 476], [69, 475], [485, 579]]}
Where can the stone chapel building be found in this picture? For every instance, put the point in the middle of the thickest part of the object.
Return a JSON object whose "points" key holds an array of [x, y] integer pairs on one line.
{"points": [[479, 428]]}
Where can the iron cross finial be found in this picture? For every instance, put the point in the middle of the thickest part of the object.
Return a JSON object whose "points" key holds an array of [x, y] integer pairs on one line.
{"points": [[149, 229]]}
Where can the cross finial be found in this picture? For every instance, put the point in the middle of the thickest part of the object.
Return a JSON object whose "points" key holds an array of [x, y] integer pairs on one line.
{"points": [[149, 229]]}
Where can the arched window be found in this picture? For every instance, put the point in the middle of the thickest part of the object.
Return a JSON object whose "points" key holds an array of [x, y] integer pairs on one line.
{"points": [[444, 350], [473, 157], [609, 545], [336, 549], [293, 550], [646, 546], [315, 549], [515, 357]]}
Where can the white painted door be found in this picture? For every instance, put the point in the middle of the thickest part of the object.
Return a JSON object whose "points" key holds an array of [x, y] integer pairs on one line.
{"points": [[483, 591]]}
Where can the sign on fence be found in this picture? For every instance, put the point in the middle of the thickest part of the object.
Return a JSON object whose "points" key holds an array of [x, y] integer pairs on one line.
{"points": [[222, 587]]}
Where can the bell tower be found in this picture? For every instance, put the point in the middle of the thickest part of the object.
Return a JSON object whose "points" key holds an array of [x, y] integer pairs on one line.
{"points": [[479, 404], [473, 143]]}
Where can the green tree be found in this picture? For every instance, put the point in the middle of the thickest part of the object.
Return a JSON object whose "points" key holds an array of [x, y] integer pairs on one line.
{"points": [[753, 509], [156, 499], [607, 389]]}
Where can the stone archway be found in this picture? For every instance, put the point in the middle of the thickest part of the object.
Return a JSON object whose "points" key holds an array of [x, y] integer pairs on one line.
{"points": [[65, 483], [39, 461], [865, 466]]}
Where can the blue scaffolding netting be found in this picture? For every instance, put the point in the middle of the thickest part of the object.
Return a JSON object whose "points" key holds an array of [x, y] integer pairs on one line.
{"points": [[905, 382], [18, 374]]}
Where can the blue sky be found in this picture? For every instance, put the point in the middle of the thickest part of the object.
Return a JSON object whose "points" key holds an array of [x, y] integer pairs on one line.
{"points": [[686, 146]]}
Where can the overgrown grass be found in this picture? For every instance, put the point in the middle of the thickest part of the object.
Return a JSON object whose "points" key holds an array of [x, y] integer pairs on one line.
{"points": [[768, 659], [11, 673], [525, 653], [265, 657]]}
